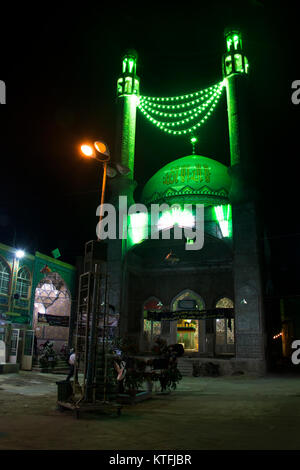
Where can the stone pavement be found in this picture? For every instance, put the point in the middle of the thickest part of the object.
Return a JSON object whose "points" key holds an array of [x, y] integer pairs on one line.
{"points": [[220, 413]]}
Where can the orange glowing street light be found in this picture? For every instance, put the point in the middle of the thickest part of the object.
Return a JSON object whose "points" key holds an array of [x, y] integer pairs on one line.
{"points": [[99, 151], [102, 148], [103, 156], [87, 150]]}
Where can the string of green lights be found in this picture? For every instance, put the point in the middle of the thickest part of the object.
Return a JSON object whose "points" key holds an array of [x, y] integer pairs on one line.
{"points": [[199, 113], [175, 115], [208, 90]]}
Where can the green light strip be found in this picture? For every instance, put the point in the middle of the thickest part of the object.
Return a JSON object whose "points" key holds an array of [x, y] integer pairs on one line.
{"points": [[178, 106], [196, 113], [203, 106], [167, 124], [183, 97], [177, 123]]}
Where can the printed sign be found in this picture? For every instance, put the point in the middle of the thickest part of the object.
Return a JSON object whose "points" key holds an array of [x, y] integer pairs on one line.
{"points": [[192, 314]]}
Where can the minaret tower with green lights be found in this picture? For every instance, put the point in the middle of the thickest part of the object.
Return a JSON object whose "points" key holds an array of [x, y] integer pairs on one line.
{"points": [[123, 184], [249, 318], [127, 96]]}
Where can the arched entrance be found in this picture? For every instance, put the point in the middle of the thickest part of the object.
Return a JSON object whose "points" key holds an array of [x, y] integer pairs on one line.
{"points": [[151, 329], [52, 307], [225, 342], [190, 333]]}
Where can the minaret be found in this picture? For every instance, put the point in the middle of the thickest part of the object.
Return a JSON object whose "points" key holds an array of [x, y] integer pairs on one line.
{"points": [[123, 184], [127, 97], [235, 70], [249, 319], [235, 73]]}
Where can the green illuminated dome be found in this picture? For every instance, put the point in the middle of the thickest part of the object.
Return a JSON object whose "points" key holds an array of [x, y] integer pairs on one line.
{"points": [[191, 179]]}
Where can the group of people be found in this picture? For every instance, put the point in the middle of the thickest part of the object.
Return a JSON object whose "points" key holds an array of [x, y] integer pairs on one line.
{"points": [[167, 358]]}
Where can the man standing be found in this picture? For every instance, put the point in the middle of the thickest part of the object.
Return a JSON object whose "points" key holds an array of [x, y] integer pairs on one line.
{"points": [[72, 364]]}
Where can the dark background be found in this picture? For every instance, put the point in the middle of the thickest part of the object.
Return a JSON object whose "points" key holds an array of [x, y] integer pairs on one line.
{"points": [[60, 65]]}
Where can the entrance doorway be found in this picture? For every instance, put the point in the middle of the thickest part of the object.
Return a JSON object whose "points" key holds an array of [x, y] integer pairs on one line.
{"points": [[224, 328], [151, 329], [189, 333]]}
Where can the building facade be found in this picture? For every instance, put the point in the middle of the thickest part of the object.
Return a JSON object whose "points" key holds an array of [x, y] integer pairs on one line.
{"points": [[166, 276], [36, 296]]}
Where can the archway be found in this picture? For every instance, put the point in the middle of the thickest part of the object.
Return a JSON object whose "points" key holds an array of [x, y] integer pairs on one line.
{"points": [[52, 307], [150, 329], [224, 342], [190, 333]]}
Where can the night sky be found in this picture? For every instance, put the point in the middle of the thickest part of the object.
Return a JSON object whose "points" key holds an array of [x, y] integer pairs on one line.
{"points": [[60, 66]]}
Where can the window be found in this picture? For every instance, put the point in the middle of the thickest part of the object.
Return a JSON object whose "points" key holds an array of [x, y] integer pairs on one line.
{"points": [[23, 283], [4, 277]]}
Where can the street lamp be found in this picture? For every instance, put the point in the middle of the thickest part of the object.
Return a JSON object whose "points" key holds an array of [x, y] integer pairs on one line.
{"points": [[98, 151], [20, 254]]}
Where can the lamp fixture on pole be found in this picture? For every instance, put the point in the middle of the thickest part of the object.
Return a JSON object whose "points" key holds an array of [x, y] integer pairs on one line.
{"points": [[99, 151]]}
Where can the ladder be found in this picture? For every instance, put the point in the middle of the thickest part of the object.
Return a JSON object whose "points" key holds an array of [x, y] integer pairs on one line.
{"points": [[82, 328], [91, 308], [91, 389]]}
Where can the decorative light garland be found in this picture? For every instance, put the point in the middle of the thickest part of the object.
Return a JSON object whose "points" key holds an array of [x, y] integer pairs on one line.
{"points": [[184, 113], [150, 107], [183, 97]]}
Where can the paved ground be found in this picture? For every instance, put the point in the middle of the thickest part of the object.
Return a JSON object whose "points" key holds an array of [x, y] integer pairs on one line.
{"points": [[203, 413]]}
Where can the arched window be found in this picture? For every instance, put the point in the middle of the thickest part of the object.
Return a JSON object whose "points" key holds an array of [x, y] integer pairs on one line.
{"points": [[224, 328], [188, 300], [23, 282], [4, 277], [224, 303]]}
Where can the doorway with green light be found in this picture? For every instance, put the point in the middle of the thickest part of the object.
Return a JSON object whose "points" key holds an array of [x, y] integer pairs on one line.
{"points": [[190, 333]]}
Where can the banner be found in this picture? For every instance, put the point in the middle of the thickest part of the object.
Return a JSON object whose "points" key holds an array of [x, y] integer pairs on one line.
{"points": [[191, 314], [53, 320]]}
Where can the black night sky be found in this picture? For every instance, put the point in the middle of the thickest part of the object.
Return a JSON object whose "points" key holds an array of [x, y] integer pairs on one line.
{"points": [[60, 65]]}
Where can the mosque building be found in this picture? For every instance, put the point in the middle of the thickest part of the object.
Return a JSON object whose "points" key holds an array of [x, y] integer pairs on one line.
{"points": [[205, 293]]}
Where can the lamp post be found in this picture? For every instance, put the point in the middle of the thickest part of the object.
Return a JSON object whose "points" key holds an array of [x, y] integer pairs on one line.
{"points": [[99, 151]]}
